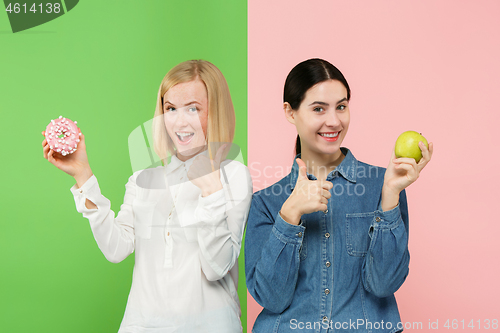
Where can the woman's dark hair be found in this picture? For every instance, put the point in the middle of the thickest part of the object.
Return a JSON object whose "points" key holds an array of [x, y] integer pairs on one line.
{"points": [[305, 75]]}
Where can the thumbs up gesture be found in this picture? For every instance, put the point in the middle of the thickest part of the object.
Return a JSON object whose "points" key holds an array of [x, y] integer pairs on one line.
{"points": [[307, 197], [205, 174]]}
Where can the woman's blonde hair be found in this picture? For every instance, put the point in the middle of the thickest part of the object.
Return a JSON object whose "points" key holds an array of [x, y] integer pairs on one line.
{"points": [[220, 127]]}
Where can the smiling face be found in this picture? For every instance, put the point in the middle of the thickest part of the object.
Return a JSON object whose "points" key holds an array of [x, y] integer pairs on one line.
{"points": [[185, 112], [322, 119]]}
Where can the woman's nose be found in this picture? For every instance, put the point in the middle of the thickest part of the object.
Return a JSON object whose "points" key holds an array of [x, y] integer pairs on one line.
{"points": [[182, 118], [332, 119]]}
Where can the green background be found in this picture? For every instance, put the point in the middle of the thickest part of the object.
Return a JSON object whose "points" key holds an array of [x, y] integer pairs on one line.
{"points": [[100, 64]]}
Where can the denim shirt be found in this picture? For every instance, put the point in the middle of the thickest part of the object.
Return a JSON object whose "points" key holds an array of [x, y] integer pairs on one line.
{"points": [[338, 270]]}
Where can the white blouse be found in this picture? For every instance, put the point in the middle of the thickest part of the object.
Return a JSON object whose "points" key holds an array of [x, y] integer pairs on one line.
{"points": [[186, 246]]}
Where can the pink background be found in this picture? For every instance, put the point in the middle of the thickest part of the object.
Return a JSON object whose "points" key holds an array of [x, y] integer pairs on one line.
{"points": [[428, 66]]}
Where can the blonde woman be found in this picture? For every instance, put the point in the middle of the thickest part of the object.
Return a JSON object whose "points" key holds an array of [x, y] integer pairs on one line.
{"points": [[185, 219]]}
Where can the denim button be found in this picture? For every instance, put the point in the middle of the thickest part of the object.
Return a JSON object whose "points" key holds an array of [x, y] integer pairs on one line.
{"points": [[377, 219], [327, 235], [299, 234], [326, 211], [327, 291], [325, 318], [327, 264]]}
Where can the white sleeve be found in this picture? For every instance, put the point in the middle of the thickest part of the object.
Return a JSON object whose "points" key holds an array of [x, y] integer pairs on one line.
{"points": [[114, 236], [224, 215]]}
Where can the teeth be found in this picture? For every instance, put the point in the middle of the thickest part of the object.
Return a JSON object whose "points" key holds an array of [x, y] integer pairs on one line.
{"points": [[329, 135], [183, 133]]}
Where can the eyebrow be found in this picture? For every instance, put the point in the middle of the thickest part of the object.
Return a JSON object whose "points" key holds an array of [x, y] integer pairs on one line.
{"points": [[192, 102], [326, 104]]}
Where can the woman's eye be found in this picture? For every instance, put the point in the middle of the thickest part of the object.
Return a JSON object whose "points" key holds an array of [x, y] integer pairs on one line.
{"points": [[318, 109], [193, 109], [169, 109], [341, 107]]}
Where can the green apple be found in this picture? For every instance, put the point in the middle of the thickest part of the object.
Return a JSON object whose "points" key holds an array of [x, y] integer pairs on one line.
{"points": [[407, 145]]}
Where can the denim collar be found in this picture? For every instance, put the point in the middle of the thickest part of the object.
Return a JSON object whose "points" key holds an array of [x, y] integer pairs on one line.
{"points": [[347, 168]]}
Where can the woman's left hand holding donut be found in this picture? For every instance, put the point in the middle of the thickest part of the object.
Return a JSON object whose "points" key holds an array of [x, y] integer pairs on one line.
{"points": [[401, 173], [205, 173]]}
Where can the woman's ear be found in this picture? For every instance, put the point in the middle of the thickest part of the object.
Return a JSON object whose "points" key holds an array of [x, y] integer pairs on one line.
{"points": [[289, 113]]}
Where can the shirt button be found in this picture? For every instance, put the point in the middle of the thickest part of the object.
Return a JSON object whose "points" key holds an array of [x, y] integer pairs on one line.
{"points": [[327, 235], [326, 211], [81, 191], [327, 291], [325, 318], [377, 219], [299, 234], [327, 264]]}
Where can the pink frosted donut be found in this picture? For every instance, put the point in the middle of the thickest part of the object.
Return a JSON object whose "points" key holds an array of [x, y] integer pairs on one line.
{"points": [[62, 135]]}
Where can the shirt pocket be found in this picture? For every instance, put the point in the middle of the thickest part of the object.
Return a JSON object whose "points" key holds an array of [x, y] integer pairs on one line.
{"points": [[357, 233], [143, 218]]}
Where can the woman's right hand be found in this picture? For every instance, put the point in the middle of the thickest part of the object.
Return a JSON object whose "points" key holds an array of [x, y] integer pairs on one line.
{"points": [[307, 197], [75, 164]]}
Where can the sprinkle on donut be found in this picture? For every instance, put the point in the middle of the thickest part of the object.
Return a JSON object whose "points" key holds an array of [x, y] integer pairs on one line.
{"points": [[60, 135]]}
